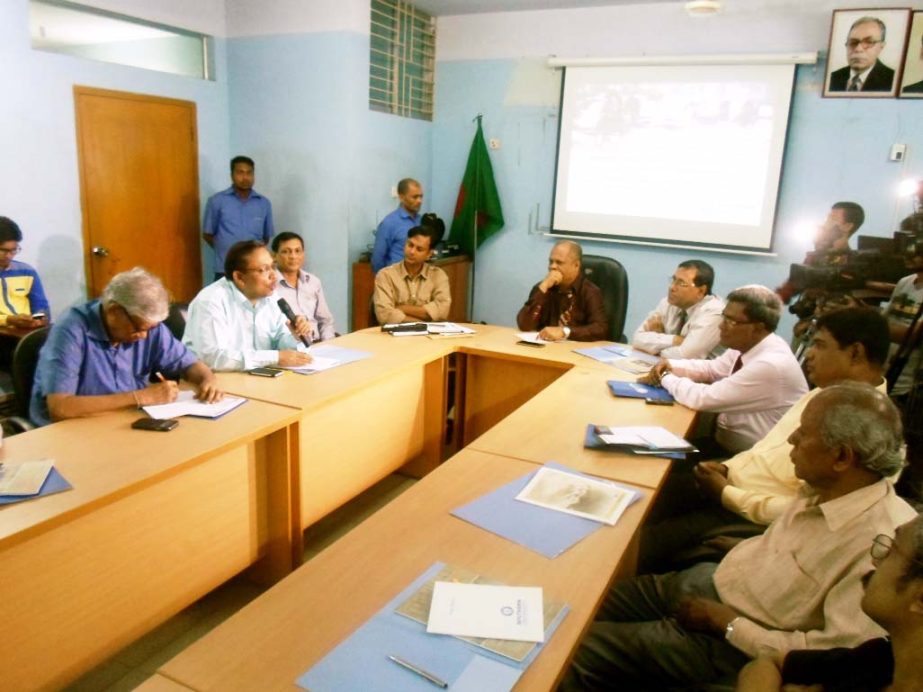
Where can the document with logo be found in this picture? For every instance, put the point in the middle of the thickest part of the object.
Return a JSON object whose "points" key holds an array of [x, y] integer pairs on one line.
{"points": [[483, 610]]}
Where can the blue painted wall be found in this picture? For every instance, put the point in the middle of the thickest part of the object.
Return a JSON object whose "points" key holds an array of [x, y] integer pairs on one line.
{"points": [[836, 149]]}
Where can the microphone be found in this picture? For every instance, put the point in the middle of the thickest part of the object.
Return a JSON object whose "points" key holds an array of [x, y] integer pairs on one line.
{"points": [[290, 315]]}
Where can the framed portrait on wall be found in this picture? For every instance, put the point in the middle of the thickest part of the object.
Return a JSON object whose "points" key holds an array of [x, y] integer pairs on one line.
{"points": [[912, 80], [866, 52]]}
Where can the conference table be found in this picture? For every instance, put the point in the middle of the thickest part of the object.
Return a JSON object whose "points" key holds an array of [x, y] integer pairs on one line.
{"points": [[155, 521]]}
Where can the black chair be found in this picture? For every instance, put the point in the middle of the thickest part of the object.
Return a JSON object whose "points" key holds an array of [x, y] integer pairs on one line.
{"points": [[25, 360], [612, 279], [176, 319]]}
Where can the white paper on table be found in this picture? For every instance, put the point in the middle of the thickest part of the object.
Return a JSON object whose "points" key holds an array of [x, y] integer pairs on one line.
{"points": [[532, 338], [187, 405], [582, 496], [26, 478], [483, 610], [447, 328], [651, 436], [317, 364]]}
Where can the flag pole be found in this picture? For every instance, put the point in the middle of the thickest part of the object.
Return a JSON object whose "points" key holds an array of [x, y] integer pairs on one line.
{"points": [[474, 249]]}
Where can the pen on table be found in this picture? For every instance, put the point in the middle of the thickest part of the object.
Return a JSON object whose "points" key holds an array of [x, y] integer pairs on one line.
{"points": [[439, 682]]}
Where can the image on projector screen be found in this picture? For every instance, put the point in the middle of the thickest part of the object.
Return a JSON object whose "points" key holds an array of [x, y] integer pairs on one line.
{"points": [[668, 149]]}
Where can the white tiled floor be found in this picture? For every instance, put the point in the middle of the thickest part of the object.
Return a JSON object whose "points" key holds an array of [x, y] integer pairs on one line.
{"points": [[135, 663]]}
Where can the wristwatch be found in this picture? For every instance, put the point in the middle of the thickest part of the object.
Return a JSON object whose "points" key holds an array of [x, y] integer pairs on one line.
{"points": [[729, 630], [566, 333]]}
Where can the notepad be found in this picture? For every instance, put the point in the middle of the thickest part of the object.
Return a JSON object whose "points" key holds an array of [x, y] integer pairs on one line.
{"points": [[187, 405]]}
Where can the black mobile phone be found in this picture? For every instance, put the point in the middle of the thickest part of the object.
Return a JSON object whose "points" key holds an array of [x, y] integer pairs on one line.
{"points": [[658, 402], [266, 372], [155, 424], [530, 343]]}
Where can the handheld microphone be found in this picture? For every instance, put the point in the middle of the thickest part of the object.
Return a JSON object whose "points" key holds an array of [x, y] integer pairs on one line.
{"points": [[291, 316]]}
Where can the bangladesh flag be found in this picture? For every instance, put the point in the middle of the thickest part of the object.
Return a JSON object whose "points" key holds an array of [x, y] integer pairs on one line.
{"points": [[477, 211]]}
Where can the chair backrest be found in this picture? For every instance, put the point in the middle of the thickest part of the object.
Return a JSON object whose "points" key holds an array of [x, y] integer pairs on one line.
{"points": [[612, 279], [176, 319], [25, 360]]}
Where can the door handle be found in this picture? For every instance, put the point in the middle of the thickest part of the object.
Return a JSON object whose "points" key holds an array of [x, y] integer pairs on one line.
{"points": [[100, 251]]}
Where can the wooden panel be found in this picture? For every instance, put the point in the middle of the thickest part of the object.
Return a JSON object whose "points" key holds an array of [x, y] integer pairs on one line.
{"points": [[267, 645], [158, 683], [78, 594], [495, 387], [356, 440]]}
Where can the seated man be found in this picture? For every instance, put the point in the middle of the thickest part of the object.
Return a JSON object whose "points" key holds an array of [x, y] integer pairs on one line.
{"points": [[565, 304], [752, 384], [101, 356], [796, 586], [894, 599], [303, 291], [685, 323], [412, 290], [758, 484], [23, 295], [235, 323]]}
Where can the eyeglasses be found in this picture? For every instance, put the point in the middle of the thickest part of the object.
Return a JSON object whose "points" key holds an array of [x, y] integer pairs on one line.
{"points": [[11, 251], [262, 271], [883, 544], [680, 283], [136, 328], [733, 320], [866, 43]]}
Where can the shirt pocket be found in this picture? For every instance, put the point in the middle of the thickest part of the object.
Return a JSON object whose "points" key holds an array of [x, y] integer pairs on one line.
{"points": [[787, 592]]}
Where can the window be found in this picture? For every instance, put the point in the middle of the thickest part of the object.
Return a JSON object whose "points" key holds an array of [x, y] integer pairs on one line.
{"points": [[87, 32], [402, 58]]}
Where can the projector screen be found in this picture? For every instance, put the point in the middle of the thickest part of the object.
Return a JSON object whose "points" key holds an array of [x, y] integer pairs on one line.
{"points": [[673, 154]]}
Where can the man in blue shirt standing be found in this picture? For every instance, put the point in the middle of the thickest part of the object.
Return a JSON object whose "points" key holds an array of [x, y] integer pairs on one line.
{"points": [[238, 213], [391, 235]]}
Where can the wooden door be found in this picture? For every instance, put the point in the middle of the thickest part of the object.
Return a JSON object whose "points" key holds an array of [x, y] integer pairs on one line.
{"points": [[139, 182]]}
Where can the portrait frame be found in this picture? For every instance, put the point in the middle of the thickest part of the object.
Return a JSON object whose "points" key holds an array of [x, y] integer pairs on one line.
{"points": [[579, 495], [912, 75], [888, 60]]}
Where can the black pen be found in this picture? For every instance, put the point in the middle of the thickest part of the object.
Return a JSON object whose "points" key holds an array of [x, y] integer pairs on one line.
{"points": [[439, 682]]}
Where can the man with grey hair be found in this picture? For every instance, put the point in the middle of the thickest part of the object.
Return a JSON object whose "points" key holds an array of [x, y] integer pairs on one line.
{"points": [[752, 384], [102, 355], [797, 586], [565, 304], [865, 72]]}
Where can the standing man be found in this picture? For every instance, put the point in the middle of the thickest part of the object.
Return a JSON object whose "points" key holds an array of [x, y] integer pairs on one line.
{"points": [[392, 231], [865, 72], [23, 295], [565, 304], [685, 323], [901, 310], [303, 291], [102, 356], [752, 384], [235, 323], [238, 213], [412, 290]]}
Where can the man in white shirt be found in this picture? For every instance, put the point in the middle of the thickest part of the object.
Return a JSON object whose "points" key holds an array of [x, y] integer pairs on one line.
{"points": [[303, 291], [797, 586], [752, 384], [685, 323], [757, 485], [235, 323]]}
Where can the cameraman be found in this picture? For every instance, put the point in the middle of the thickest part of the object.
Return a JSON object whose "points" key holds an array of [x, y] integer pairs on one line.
{"points": [[901, 311]]}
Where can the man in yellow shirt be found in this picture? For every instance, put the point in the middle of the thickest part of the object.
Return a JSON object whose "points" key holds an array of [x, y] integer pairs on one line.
{"points": [[23, 298]]}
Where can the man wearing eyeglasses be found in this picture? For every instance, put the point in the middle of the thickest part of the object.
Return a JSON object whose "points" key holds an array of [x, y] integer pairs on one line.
{"points": [[894, 599], [236, 324], [23, 295], [102, 356], [685, 323], [797, 586], [865, 72], [751, 385]]}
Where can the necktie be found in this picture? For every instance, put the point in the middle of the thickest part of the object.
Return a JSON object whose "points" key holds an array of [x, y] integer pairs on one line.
{"points": [[683, 316], [854, 84], [738, 364]]}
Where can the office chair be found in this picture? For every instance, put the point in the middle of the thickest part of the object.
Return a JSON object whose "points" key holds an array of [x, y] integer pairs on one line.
{"points": [[612, 279], [25, 360], [176, 319]]}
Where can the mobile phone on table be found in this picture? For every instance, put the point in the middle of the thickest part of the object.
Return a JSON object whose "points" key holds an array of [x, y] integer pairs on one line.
{"points": [[155, 424], [530, 343], [658, 402], [266, 372]]}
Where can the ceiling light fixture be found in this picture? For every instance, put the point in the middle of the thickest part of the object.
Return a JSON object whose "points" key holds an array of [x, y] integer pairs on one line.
{"points": [[703, 8]]}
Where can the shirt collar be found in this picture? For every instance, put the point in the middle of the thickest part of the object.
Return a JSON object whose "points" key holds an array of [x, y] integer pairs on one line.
{"points": [[253, 193], [95, 327], [302, 278], [705, 301], [424, 273], [842, 510], [404, 214]]}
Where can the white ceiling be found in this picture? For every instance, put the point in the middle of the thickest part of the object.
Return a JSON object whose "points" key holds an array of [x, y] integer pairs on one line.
{"points": [[440, 8]]}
